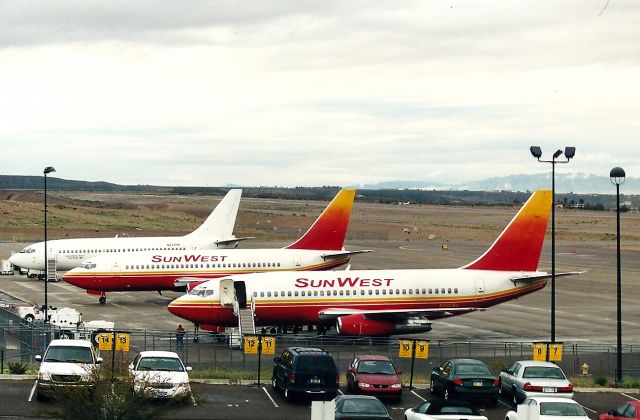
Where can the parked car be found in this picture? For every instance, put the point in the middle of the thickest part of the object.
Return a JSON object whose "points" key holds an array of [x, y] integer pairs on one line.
{"points": [[374, 375], [305, 371], [465, 378], [444, 410], [530, 378], [160, 374], [547, 408], [360, 407], [66, 363], [628, 410]]}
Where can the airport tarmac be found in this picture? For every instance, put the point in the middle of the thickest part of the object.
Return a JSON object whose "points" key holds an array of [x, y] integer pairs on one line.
{"points": [[586, 304]]}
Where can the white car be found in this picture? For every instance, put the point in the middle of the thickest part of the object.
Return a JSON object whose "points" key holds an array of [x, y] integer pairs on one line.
{"points": [[66, 363], [444, 410], [547, 408], [530, 378], [160, 374]]}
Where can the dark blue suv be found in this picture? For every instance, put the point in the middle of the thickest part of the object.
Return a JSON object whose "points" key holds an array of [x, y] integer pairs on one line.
{"points": [[305, 371]]}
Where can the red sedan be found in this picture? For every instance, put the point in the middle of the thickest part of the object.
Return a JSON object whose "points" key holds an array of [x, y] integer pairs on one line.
{"points": [[374, 375], [628, 410]]}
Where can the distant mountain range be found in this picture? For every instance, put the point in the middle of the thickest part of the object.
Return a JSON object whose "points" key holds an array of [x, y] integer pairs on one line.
{"points": [[565, 183]]}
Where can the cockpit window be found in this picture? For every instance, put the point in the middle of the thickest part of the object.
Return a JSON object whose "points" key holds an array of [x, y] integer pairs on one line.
{"points": [[88, 265], [28, 250]]}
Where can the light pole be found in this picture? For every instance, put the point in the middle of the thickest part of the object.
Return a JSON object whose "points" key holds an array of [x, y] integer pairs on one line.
{"points": [[617, 177], [47, 170], [569, 153]]}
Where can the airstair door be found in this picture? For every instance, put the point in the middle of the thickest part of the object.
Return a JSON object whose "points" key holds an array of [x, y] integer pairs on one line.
{"points": [[241, 293], [227, 292]]}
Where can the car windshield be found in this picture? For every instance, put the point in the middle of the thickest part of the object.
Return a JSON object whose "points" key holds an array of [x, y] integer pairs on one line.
{"points": [[543, 372], [361, 405], [376, 366], [315, 364], [471, 369], [168, 364], [561, 409], [69, 354]]}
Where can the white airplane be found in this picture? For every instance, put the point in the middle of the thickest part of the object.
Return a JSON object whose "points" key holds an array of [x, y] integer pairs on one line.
{"points": [[216, 231], [320, 248], [381, 302]]}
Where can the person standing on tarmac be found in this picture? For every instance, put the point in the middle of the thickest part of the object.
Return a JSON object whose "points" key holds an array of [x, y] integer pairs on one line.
{"points": [[179, 337]]}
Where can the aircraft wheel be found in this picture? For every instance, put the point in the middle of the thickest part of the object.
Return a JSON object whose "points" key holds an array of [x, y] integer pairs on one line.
{"points": [[102, 300], [29, 318]]}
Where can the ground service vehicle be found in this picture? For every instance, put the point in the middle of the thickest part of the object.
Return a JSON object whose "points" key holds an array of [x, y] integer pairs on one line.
{"points": [[160, 374], [66, 363], [547, 408], [305, 371], [360, 407], [444, 410], [7, 268], [465, 378], [374, 375], [530, 378], [628, 410]]}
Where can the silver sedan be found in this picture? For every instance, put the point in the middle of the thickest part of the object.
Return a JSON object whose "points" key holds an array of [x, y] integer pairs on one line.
{"points": [[529, 378]]}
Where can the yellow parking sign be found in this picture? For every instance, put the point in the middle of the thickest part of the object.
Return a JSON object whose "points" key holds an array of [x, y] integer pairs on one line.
{"points": [[250, 344], [422, 350], [268, 345], [405, 348], [555, 352], [104, 341], [122, 341], [540, 351]]}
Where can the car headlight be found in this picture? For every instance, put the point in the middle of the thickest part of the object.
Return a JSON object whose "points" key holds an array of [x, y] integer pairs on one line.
{"points": [[396, 386], [364, 385], [44, 376]]}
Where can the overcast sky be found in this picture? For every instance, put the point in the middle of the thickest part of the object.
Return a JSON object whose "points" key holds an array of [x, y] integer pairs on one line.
{"points": [[316, 92]]}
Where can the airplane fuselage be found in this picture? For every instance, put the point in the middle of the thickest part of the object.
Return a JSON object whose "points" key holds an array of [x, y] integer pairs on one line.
{"points": [[310, 298], [161, 270]]}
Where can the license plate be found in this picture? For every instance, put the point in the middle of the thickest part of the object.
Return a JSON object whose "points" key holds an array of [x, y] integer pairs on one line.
{"points": [[315, 381], [477, 383], [548, 389]]}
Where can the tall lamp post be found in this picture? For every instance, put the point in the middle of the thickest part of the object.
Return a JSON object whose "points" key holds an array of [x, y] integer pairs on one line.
{"points": [[47, 170], [569, 153], [617, 177]]}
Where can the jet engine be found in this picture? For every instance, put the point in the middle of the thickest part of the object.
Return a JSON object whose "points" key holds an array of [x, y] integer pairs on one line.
{"points": [[361, 325]]}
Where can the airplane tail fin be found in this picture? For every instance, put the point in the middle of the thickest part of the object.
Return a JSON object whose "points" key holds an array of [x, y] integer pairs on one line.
{"points": [[330, 228], [219, 225], [519, 245]]}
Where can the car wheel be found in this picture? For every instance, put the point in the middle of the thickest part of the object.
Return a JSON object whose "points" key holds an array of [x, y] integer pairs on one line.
{"points": [[287, 394], [274, 384], [514, 394], [39, 396], [431, 388], [349, 386], [446, 395]]}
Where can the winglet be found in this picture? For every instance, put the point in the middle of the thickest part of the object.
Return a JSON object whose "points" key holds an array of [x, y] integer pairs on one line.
{"points": [[219, 225], [519, 245], [330, 228]]}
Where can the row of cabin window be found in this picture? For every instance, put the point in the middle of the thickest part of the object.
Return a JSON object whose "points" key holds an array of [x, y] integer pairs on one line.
{"points": [[202, 265], [102, 251], [362, 292]]}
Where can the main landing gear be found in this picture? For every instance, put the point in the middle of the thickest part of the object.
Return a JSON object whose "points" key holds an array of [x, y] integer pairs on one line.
{"points": [[103, 298]]}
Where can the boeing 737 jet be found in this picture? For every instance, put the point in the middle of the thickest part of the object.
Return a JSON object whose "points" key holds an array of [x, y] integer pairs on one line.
{"points": [[381, 302], [320, 248], [215, 232]]}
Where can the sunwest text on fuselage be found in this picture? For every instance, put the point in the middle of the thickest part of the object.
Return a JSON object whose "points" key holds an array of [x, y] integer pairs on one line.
{"points": [[303, 282], [188, 258]]}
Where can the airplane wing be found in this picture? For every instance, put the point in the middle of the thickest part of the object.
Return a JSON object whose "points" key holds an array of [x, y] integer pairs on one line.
{"points": [[232, 240], [531, 279], [334, 313], [343, 253], [187, 281]]}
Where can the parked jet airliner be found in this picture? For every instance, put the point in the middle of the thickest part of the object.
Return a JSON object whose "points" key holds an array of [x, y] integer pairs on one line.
{"points": [[320, 248], [381, 302], [216, 231]]}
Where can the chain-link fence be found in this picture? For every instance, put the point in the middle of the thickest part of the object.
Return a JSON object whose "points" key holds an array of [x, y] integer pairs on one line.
{"points": [[21, 341]]}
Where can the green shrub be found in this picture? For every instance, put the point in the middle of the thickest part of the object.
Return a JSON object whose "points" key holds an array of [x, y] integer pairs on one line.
{"points": [[18, 368], [600, 380]]}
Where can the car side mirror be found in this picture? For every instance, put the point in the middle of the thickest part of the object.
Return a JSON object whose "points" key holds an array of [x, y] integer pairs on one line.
{"points": [[131, 366], [399, 371], [610, 412], [99, 360], [189, 368], [38, 358]]}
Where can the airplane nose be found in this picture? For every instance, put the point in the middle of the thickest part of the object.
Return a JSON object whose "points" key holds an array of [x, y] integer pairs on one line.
{"points": [[189, 309]]}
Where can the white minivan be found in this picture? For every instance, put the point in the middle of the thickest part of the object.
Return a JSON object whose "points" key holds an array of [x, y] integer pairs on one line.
{"points": [[66, 363]]}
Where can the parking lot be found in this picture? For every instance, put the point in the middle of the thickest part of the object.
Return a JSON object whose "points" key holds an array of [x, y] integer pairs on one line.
{"points": [[245, 401]]}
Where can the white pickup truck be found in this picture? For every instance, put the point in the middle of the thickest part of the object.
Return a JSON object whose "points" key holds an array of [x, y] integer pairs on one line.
{"points": [[69, 321]]}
